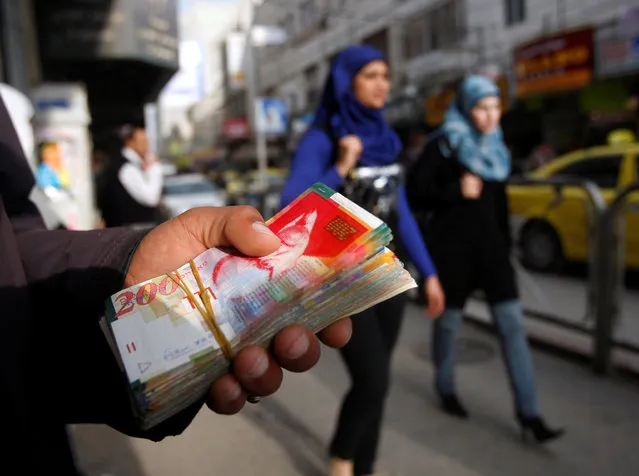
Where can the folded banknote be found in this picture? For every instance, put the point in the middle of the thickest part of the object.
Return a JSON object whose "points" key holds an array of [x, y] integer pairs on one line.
{"points": [[173, 335]]}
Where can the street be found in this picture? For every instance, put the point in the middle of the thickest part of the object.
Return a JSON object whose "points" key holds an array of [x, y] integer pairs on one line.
{"points": [[287, 433], [564, 298]]}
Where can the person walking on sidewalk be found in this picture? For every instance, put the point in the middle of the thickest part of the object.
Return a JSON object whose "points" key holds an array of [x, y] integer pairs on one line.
{"points": [[130, 188], [459, 182], [349, 131]]}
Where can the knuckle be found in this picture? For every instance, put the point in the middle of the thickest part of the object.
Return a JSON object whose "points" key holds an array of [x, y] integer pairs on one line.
{"points": [[245, 211]]}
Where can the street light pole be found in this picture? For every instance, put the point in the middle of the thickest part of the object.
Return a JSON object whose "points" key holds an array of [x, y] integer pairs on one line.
{"points": [[253, 104]]}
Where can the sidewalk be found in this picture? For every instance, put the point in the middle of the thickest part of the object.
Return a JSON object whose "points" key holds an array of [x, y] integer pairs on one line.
{"points": [[287, 434]]}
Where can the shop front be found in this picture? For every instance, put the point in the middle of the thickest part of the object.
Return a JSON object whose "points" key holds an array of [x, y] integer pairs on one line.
{"points": [[549, 75]]}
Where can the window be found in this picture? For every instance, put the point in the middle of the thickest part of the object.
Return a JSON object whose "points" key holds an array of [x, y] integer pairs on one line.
{"points": [[337, 5], [602, 170], [447, 25], [288, 24], [380, 41], [434, 29], [415, 39], [187, 188], [308, 14], [515, 11]]}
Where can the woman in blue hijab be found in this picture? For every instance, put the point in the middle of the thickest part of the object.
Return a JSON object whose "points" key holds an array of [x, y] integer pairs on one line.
{"points": [[460, 183], [350, 135]]}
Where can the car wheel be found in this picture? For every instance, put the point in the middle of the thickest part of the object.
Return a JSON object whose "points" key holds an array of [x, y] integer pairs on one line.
{"points": [[540, 247]]}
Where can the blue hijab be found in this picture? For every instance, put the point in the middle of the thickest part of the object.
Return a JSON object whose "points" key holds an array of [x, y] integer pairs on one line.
{"points": [[340, 114], [484, 155]]}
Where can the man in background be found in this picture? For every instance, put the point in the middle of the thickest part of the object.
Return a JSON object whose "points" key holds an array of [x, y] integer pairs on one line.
{"points": [[130, 187]]}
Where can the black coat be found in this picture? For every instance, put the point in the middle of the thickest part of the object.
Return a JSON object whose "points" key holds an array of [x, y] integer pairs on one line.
{"points": [[56, 367], [469, 240]]}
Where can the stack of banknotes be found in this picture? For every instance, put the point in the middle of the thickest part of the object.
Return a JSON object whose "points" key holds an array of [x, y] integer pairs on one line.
{"points": [[175, 334]]}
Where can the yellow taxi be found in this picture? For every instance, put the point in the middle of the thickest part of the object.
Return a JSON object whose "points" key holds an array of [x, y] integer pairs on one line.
{"points": [[552, 228]]}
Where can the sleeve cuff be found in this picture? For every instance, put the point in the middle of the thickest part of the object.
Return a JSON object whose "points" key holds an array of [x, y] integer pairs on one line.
{"points": [[332, 178]]}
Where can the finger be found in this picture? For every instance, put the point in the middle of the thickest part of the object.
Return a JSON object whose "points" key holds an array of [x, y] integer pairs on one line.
{"points": [[240, 227], [226, 396], [337, 335], [257, 371], [296, 349]]}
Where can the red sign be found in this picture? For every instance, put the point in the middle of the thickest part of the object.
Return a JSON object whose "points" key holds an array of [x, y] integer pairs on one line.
{"points": [[554, 63], [236, 128]]}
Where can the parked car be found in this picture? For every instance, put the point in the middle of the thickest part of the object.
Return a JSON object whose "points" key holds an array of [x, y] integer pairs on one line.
{"points": [[183, 192], [168, 169], [552, 229]]}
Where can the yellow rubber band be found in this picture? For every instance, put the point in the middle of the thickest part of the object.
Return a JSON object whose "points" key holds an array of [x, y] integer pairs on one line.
{"points": [[203, 304]]}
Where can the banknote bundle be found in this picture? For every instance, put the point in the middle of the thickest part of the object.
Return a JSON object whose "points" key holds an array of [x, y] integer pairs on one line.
{"points": [[175, 334]]}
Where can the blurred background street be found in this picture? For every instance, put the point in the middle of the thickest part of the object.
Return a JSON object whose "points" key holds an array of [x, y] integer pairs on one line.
{"points": [[225, 89]]}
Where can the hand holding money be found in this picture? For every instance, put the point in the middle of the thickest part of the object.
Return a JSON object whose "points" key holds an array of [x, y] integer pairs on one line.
{"points": [[185, 330], [175, 242]]}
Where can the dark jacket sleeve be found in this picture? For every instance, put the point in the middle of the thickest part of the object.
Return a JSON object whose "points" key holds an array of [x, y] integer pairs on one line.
{"points": [[69, 276]]}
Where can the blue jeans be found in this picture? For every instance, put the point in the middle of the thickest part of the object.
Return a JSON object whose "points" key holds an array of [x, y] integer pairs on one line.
{"points": [[508, 317]]}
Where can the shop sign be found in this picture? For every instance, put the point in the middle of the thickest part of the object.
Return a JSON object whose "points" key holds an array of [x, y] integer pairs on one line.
{"points": [[617, 56], [559, 62], [618, 46]]}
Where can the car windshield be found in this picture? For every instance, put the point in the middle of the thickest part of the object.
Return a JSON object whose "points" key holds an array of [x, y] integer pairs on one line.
{"points": [[188, 188]]}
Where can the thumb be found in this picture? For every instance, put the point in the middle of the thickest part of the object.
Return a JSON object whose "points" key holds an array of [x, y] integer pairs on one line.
{"points": [[240, 227], [174, 243]]}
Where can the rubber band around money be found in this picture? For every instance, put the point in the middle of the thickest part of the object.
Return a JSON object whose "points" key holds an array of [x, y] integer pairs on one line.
{"points": [[204, 306]]}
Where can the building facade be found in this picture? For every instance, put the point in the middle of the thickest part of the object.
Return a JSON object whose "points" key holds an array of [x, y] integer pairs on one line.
{"points": [[432, 44], [83, 69], [19, 56]]}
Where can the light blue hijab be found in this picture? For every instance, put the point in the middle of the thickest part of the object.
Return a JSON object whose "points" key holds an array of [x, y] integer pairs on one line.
{"points": [[484, 155]]}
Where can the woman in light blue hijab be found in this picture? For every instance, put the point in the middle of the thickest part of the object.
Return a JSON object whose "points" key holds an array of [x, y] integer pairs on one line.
{"points": [[459, 182], [471, 126]]}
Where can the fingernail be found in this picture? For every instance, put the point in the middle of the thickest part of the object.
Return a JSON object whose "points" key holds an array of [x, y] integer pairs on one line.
{"points": [[259, 367], [261, 227], [298, 348]]}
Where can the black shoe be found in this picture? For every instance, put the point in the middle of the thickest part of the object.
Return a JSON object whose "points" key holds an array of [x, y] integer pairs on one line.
{"points": [[452, 406], [538, 428]]}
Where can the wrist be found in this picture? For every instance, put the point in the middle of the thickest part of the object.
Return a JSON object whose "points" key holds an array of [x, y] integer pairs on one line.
{"points": [[342, 170], [129, 277], [431, 278]]}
